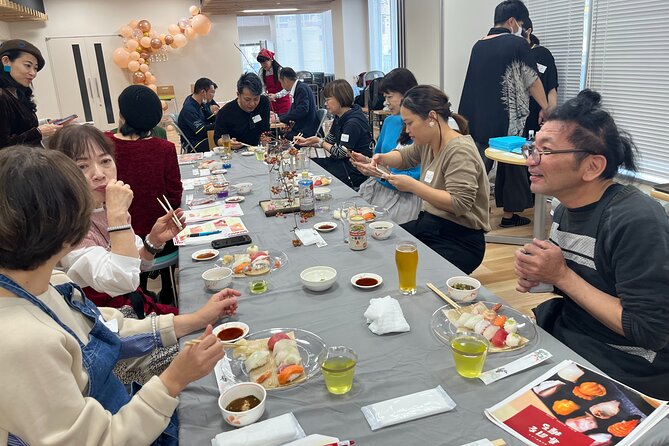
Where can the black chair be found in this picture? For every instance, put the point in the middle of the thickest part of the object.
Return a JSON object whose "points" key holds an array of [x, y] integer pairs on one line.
{"points": [[305, 76], [373, 99]]}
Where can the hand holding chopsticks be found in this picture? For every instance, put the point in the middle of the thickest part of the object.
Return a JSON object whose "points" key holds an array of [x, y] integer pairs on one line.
{"points": [[167, 209]]}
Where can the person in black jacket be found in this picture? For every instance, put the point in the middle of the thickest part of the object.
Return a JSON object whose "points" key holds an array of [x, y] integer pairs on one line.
{"points": [[349, 132], [193, 121], [303, 109]]}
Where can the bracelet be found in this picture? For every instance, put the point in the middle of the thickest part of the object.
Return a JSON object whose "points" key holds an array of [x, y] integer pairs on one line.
{"points": [[156, 338], [119, 228], [151, 248]]}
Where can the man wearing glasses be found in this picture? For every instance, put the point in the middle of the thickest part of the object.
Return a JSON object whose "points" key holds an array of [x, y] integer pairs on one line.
{"points": [[246, 118], [608, 252]]}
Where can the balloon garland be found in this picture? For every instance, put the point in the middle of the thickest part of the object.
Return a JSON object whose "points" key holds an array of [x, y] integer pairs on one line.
{"points": [[143, 45]]}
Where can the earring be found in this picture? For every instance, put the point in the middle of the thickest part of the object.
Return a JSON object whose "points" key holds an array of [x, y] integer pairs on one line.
{"points": [[431, 124], [7, 68]]}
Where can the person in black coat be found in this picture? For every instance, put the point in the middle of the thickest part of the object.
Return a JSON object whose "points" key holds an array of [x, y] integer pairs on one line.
{"points": [[303, 109]]}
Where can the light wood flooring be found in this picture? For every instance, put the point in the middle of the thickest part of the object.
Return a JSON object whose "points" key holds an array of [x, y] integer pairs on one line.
{"points": [[496, 273]]}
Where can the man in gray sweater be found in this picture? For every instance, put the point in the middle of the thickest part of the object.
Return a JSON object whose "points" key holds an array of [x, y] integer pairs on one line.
{"points": [[608, 253]]}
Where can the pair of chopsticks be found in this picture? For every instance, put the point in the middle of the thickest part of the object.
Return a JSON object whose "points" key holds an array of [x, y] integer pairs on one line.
{"points": [[299, 135], [446, 299], [225, 344], [168, 209]]}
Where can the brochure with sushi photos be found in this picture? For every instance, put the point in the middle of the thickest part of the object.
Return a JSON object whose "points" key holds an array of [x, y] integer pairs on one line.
{"points": [[571, 405]]}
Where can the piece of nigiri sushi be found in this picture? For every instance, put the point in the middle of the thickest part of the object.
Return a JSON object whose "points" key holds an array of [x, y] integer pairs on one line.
{"points": [[256, 359], [464, 317], [287, 357], [513, 340], [472, 321], [547, 388], [290, 373], [511, 326], [285, 344], [490, 331], [606, 410], [600, 439], [481, 326]]}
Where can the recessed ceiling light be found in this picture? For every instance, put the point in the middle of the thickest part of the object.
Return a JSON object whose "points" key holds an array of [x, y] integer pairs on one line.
{"points": [[251, 11]]}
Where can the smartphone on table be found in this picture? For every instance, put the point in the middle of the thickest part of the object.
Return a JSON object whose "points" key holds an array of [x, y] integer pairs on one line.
{"points": [[232, 241]]}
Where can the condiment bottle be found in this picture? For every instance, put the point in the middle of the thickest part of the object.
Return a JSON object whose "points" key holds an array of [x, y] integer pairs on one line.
{"points": [[357, 233]]}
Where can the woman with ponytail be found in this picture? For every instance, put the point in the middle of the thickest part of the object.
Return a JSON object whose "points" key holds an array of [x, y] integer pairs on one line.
{"points": [[18, 118], [453, 182], [269, 75]]}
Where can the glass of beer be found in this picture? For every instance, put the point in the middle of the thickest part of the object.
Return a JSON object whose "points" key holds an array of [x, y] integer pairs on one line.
{"points": [[469, 353], [406, 259], [338, 369], [227, 146]]}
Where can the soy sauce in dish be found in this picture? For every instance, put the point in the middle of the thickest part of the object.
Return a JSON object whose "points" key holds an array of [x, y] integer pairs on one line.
{"points": [[205, 255], [325, 227], [366, 281], [228, 334], [243, 404]]}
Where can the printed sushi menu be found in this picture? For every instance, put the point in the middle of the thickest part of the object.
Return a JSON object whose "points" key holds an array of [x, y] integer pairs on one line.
{"points": [[571, 405]]}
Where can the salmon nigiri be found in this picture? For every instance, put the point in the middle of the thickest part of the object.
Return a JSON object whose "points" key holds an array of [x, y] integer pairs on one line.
{"points": [[290, 373]]}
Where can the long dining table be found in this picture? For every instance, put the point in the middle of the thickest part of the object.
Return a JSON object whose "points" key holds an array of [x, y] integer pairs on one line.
{"points": [[389, 366]]}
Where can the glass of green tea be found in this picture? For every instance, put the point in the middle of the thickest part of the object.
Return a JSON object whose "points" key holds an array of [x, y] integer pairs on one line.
{"points": [[469, 353], [258, 286], [338, 369]]}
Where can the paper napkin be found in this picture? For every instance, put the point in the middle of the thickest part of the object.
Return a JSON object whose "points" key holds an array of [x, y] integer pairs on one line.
{"points": [[384, 315]]}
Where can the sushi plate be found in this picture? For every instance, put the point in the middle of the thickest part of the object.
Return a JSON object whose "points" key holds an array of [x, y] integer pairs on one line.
{"points": [[311, 347], [444, 329], [278, 260]]}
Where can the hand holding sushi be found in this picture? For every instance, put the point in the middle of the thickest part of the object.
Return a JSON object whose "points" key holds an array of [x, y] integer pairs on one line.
{"points": [[539, 261], [223, 303], [193, 362]]}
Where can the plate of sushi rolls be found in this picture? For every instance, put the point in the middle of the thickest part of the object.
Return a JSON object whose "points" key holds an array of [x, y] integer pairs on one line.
{"points": [[253, 261], [277, 358], [506, 329]]}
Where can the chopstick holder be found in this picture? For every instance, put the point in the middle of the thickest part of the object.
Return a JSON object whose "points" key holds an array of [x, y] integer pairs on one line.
{"points": [[273, 432], [408, 408], [520, 364]]}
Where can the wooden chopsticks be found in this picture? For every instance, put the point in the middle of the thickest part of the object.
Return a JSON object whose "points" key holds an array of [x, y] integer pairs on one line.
{"points": [[225, 344], [447, 299], [174, 217]]}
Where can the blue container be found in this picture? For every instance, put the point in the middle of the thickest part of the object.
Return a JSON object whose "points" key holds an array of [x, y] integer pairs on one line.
{"points": [[507, 143]]}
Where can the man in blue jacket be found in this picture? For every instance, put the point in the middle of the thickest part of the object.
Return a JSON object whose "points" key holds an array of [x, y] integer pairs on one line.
{"points": [[303, 109], [193, 121]]}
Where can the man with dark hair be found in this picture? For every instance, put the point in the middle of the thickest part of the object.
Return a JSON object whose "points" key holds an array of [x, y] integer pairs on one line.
{"points": [[501, 76], [245, 118], [608, 252], [210, 107], [303, 108], [193, 121]]}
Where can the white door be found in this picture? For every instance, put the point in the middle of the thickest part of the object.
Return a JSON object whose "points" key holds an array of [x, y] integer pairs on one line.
{"points": [[87, 81]]}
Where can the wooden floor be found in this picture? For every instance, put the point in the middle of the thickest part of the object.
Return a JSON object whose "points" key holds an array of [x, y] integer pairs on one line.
{"points": [[496, 273]]}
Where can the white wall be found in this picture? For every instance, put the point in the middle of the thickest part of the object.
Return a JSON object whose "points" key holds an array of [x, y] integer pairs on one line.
{"points": [[350, 32], [4, 31], [422, 39], [212, 56], [464, 24]]}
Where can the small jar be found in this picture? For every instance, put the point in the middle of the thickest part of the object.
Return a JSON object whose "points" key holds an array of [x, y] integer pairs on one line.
{"points": [[357, 233]]}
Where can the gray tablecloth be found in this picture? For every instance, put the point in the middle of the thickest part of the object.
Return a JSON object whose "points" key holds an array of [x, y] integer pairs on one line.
{"points": [[389, 366]]}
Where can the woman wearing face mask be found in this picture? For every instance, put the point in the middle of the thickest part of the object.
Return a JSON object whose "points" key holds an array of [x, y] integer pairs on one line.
{"points": [[453, 181], [18, 119], [269, 75]]}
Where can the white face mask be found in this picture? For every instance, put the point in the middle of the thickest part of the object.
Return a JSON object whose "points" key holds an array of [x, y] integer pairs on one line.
{"points": [[518, 33]]}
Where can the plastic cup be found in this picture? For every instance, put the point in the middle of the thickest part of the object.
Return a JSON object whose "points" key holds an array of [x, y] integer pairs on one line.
{"points": [[338, 369], [469, 353]]}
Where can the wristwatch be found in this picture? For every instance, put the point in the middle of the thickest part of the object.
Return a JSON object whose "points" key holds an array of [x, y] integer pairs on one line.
{"points": [[151, 248]]}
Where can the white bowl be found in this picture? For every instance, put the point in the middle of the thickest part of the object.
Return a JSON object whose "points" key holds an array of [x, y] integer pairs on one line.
{"points": [[204, 254], [243, 188], [463, 295], [218, 149], [242, 325], [322, 193], [381, 230], [216, 279], [318, 278], [354, 279], [323, 226], [240, 390]]}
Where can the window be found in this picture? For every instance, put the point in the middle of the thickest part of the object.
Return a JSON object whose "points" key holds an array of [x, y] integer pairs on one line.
{"points": [[383, 34], [629, 63], [559, 27], [304, 41]]}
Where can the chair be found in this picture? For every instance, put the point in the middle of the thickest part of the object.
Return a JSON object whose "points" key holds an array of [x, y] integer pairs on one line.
{"points": [[306, 76], [371, 75], [184, 141], [166, 93], [168, 261], [373, 101], [321, 114]]}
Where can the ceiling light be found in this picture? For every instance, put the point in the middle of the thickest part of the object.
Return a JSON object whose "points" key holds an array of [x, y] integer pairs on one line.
{"points": [[251, 11]]}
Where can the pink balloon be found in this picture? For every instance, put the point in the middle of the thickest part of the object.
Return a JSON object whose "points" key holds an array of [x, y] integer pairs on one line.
{"points": [[194, 10], [169, 40], [133, 23], [134, 55], [125, 31], [145, 42], [190, 33], [131, 45], [180, 41], [138, 77], [133, 66], [201, 24], [183, 23], [121, 57], [143, 68], [173, 29], [141, 60], [156, 43]]}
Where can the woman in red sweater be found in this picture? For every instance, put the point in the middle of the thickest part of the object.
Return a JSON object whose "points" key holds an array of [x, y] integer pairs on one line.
{"points": [[149, 165]]}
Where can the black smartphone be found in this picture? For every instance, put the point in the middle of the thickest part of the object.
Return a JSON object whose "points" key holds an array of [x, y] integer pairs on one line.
{"points": [[64, 120], [232, 241]]}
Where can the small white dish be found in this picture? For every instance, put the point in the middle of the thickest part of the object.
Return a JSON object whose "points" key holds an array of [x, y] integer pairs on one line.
{"points": [[381, 230], [216, 279], [325, 226], [204, 254], [318, 278], [220, 328], [463, 295], [248, 153], [219, 171], [366, 281], [241, 390], [235, 199]]}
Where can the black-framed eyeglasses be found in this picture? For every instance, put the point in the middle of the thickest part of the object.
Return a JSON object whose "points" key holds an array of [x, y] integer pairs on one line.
{"points": [[534, 152]]}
